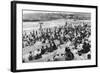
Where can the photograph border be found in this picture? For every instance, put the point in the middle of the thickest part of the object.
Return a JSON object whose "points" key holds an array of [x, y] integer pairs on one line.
{"points": [[13, 34]]}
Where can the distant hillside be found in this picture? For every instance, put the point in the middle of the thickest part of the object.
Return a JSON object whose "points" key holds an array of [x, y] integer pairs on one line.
{"points": [[52, 16]]}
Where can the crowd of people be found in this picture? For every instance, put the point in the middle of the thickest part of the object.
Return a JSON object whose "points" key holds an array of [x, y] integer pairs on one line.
{"points": [[69, 42]]}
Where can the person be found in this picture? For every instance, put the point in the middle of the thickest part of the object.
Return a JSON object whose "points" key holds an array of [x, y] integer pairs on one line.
{"points": [[38, 55], [68, 55], [43, 50], [89, 56], [86, 48], [30, 56]]}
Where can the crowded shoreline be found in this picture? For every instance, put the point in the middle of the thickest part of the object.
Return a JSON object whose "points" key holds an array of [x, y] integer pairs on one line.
{"points": [[59, 43]]}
